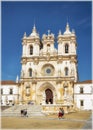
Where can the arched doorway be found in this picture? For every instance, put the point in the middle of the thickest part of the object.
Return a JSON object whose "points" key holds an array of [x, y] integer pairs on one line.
{"points": [[49, 96]]}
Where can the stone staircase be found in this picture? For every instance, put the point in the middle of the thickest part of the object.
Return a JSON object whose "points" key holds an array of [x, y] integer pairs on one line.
{"points": [[32, 110]]}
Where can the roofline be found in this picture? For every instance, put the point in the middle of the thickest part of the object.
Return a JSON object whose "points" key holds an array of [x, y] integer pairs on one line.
{"points": [[8, 82], [85, 82]]}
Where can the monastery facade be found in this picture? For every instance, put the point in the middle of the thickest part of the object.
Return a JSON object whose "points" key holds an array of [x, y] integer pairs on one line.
{"points": [[49, 75]]}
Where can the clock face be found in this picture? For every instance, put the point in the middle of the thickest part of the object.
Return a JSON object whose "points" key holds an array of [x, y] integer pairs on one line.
{"points": [[48, 70]]}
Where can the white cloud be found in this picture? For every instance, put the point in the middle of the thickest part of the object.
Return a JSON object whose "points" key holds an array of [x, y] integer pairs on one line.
{"points": [[84, 22]]}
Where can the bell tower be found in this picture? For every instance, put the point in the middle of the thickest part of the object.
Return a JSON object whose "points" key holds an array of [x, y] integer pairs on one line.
{"points": [[67, 48], [31, 44], [30, 54]]}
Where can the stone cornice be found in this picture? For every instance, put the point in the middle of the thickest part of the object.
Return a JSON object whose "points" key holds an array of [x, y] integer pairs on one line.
{"points": [[49, 78], [58, 58], [30, 40]]}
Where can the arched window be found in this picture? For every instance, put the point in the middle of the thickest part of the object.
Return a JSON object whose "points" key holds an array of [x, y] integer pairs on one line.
{"points": [[30, 72], [66, 48], [31, 50], [66, 71]]}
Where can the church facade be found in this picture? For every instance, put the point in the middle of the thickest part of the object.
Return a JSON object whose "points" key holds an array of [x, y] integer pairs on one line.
{"points": [[49, 74]]}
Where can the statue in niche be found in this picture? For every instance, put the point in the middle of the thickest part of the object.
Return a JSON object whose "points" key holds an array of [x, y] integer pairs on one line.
{"points": [[28, 91], [65, 91]]}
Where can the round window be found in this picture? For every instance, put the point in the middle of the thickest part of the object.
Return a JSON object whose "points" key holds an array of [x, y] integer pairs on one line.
{"points": [[48, 70]]}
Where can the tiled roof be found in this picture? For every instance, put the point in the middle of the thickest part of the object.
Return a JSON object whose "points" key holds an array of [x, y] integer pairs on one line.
{"points": [[8, 82], [85, 82]]}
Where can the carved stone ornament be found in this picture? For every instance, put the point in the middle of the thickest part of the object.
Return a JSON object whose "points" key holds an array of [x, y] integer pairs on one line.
{"points": [[24, 61], [36, 61]]}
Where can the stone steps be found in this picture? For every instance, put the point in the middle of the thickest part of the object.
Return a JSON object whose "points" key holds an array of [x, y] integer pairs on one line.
{"points": [[32, 110]]}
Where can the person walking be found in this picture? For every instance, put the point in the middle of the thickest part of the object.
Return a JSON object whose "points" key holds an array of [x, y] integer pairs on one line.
{"points": [[22, 112], [25, 113], [60, 113], [62, 110]]}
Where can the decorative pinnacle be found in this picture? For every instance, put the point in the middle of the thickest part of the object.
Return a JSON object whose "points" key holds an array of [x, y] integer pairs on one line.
{"points": [[48, 32], [67, 27], [34, 28], [59, 32], [25, 34]]}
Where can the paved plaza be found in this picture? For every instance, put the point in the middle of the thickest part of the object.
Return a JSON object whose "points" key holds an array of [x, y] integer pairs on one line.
{"points": [[79, 120]]}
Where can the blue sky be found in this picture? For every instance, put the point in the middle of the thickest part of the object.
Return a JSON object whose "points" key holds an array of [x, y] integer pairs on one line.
{"points": [[19, 17]]}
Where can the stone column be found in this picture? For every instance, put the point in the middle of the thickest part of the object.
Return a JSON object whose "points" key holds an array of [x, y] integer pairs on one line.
{"points": [[58, 93], [54, 98], [33, 92], [43, 98], [24, 49]]}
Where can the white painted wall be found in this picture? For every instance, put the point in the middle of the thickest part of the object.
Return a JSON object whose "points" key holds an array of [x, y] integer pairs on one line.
{"points": [[6, 96], [87, 96]]}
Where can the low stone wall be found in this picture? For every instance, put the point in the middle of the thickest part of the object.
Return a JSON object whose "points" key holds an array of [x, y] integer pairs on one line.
{"points": [[51, 108]]}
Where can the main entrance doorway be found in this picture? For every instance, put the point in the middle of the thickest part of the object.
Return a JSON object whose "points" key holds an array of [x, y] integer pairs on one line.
{"points": [[49, 96]]}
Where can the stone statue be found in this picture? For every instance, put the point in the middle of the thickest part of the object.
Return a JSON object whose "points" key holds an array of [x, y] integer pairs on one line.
{"points": [[65, 91]]}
